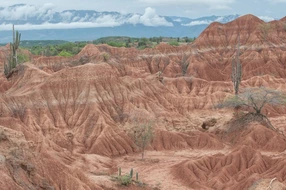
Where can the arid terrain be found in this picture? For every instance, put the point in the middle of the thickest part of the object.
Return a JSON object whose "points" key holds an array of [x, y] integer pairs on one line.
{"points": [[65, 123]]}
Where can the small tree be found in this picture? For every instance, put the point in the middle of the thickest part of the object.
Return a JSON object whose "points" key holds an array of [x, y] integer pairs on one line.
{"points": [[142, 131], [143, 134]]}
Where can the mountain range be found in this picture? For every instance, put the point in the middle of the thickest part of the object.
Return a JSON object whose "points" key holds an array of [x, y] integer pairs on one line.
{"points": [[45, 23]]}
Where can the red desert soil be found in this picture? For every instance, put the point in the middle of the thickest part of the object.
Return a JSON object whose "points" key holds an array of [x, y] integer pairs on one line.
{"points": [[65, 122]]}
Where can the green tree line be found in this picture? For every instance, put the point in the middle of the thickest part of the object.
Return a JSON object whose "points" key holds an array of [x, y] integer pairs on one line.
{"points": [[67, 49]]}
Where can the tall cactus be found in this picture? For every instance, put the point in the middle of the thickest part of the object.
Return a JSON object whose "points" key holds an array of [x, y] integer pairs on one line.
{"points": [[131, 173], [15, 46], [236, 69], [13, 57]]}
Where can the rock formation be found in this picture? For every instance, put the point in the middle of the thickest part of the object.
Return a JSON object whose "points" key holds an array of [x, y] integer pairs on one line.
{"points": [[64, 120]]}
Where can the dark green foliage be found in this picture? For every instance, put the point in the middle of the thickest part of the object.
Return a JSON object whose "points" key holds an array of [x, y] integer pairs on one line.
{"points": [[119, 171], [137, 176]]}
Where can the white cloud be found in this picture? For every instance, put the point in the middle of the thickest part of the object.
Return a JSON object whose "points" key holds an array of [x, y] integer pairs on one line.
{"points": [[187, 2], [149, 18], [198, 22], [59, 25], [211, 4], [266, 18], [102, 20], [66, 16], [69, 21], [277, 1], [220, 7], [25, 12], [219, 19], [178, 20], [134, 19]]}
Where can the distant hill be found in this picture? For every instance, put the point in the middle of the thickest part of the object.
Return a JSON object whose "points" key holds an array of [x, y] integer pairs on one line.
{"points": [[44, 23]]}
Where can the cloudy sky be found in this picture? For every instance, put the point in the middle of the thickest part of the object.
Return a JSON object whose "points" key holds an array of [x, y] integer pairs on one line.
{"points": [[187, 8]]}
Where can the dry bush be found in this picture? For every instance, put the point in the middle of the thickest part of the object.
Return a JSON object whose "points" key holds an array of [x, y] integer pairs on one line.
{"points": [[184, 63], [3, 136], [242, 120], [81, 61], [57, 67], [254, 100], [106, 57], [13, 106], [18, 110]]}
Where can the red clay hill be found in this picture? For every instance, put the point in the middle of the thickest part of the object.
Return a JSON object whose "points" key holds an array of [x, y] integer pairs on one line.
{"points": [[65, 123]]}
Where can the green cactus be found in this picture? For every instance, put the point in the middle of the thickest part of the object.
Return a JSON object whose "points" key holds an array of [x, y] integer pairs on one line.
{"points": [[131, 173], [119, 171], [137, 177], [13, 58], [15, 46]]}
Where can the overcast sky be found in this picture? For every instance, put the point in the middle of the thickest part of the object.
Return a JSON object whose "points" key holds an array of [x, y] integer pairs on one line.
{"points": [[187, 8]]}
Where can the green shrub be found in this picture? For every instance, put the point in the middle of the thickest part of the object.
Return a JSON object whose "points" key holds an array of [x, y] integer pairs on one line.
{"points": [[174, 43], [64, 53], [125, 180], [22, 58], [116, 44], [105, 57]]}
